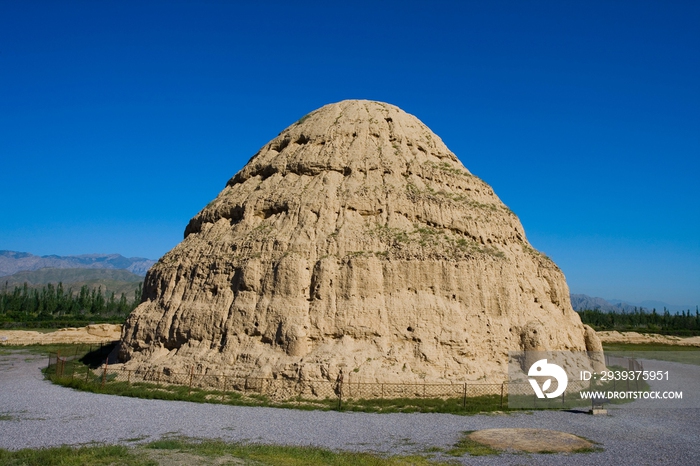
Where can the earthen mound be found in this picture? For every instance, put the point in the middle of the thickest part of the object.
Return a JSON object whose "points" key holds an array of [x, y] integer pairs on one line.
{"points": [[355, 239]]}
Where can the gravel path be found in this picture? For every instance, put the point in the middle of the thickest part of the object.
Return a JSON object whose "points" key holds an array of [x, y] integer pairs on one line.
{"points": [[36, 413]]}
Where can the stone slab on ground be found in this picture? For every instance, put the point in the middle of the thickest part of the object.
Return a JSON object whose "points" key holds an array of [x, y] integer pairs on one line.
{"points": [[530, 440]]}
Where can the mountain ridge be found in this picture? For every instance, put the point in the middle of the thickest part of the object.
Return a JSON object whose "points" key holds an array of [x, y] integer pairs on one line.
{"points": [[12, 262]]}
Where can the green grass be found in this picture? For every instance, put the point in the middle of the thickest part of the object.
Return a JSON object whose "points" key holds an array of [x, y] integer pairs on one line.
{"points": [[201, 452], [153, 391], [284, 455], [466, 445], [589, 450], [647, 347], [69, 456], [474, 405], [65, 349], [672, 353], [306, 117], [479, 404]]}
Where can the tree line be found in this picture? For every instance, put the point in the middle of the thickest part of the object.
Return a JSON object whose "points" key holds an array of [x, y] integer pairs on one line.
{"points": [[54, 306], [685, 323]]}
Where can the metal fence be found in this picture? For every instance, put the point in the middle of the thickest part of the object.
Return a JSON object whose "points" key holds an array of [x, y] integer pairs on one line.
{"points": [[624, 362], [228, 388]]}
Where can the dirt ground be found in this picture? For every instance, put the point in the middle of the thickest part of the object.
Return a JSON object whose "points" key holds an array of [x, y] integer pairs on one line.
{"points": [[92, 334], [642, 338]]}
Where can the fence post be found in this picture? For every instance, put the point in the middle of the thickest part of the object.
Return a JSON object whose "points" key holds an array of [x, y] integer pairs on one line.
{"points": [[75, 357], [503, 384], [464, 397], [59, 372], [223, 392], [189, 388], [340, 394], [128, 377], [87, 373], [104, 375]]}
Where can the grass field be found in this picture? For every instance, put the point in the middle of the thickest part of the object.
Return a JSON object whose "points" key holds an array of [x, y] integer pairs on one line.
{"points": [[187, 451], [65, 349], [681, 354], [92, 383]]}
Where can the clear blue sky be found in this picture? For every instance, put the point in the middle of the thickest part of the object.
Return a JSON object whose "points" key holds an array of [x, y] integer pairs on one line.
{"points": [[120, 120]]}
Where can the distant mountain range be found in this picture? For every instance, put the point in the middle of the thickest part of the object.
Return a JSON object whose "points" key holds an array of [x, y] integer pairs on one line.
{"points": [[581, 302], [12, 262]]}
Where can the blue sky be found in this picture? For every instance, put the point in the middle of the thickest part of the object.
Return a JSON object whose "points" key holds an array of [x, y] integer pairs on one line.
{"points": [[121, 120]]}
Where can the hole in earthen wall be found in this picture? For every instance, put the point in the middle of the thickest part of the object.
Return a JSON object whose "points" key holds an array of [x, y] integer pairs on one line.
{"points": [[280, 145]]}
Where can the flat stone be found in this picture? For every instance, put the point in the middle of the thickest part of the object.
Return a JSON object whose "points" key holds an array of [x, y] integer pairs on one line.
{"points": [[530, 440]]}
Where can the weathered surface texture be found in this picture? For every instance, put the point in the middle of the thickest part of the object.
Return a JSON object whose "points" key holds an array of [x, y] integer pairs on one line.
{"points": [[355, 239]]}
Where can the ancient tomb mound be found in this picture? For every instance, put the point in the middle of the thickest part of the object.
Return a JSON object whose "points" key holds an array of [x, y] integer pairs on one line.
{"points": [[353, 240]]}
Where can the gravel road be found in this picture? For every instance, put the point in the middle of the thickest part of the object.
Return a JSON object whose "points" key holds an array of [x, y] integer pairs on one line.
{"points": [[35, 413]]}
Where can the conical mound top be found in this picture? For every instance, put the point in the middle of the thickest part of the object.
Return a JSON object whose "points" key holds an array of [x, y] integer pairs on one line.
{"points": [[350, 135]]}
